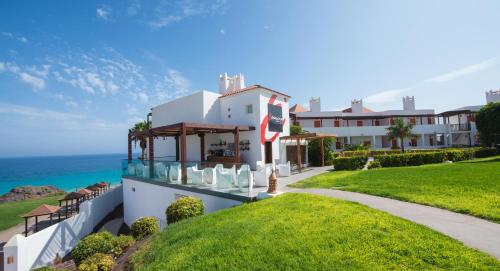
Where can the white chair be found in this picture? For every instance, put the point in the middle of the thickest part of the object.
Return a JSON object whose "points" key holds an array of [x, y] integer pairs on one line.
{"points": [[261, 176], [131, 169], [139, 170], [160, 171], [225, 177], [284, 170], [209, 175], [175, 173], [145, 172], [245, 178], [195, 175]]}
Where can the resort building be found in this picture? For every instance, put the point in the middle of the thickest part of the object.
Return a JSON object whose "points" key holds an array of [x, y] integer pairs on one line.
{"points": [[360, 125]]}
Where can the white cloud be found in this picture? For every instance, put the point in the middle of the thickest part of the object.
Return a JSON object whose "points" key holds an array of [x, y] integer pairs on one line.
{"points": [[23, 39], [14, 37], [134, 8], [168, 12], [222, 32], [385, 97], [471, 69], [35, 82], [140, 96], [2, 66], [37, 113], [103, 13]]}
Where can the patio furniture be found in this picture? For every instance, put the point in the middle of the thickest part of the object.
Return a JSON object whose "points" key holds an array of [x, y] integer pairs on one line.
{"points": [[209, 175], [131, 169], [284, 170], [261, 175], [245, 178], [175, 174], [225, 177], [160, 171], [139, 170], [195, 175]]}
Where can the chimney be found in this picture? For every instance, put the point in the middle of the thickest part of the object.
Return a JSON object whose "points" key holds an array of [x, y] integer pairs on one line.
{"points": [[409, 103], [493, 96], [227, 83], [315, 104], [357, 106]]}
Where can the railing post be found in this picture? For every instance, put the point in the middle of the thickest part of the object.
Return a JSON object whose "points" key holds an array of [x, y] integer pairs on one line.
{"points": [[151, 155], [183, 152]]}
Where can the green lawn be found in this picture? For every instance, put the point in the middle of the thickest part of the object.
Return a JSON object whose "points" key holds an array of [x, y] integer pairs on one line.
{"points": [[10, 212], [306, 232], [471, 187]]}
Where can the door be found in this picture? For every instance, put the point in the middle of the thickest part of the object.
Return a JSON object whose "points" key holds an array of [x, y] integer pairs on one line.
{"points": [[268, 151]]}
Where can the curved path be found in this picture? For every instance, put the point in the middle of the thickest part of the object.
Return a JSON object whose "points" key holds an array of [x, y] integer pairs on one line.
{"points": [[472, 231]]}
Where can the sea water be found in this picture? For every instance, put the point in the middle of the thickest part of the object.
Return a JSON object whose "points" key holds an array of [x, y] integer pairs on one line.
{"points": [[65, 172]]}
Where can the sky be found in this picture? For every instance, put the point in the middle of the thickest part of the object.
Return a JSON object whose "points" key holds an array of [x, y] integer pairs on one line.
{"points": [[75, 75]]}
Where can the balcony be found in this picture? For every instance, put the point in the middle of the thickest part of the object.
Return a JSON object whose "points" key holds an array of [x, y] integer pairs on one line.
{"points": [[227, 180], [376, 130], [460, 127]]}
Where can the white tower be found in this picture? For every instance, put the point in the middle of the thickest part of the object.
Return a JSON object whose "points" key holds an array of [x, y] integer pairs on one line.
{"points": [[493, 96], [409, 103], [315, 104], [227, 83], [357, 106]]}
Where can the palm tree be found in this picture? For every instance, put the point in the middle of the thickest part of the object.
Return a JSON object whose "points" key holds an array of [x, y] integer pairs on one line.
{"points": [[400, 131], [141, 127]]}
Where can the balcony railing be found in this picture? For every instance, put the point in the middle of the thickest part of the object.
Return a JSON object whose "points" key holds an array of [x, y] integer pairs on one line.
{"points": [[460, 127], [206, 177]]}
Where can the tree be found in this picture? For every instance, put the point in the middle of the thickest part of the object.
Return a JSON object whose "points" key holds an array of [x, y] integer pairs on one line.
{"points": [[143, 143], [488, 124], [295, 130], [400, 131]]}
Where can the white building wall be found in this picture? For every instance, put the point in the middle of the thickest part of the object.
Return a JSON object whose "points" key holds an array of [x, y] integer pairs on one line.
{"points": [[142, 199]]}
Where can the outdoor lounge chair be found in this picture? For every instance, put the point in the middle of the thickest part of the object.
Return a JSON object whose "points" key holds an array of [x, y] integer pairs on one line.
{"points": [[195, 175], [284, 170], [175, 173], [261, 176], [139, 170], [160, 171], [209, 175], [245, 178], [131, 169], [225, 177]]}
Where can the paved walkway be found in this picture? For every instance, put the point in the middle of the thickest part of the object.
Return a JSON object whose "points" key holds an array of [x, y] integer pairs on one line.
{"points": [[473, 232], [113, 226]]}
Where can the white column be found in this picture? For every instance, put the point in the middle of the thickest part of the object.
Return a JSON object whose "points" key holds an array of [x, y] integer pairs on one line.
{"points": [[450, 139], [423, 140], [374, 143], [348, 140]]}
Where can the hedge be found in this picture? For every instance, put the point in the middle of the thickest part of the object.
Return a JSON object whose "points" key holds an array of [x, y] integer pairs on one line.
{"points": [[411, 159], [144, 227], [101, 242], [349, 163], [183, 208], [483, 152], [98, 262]]}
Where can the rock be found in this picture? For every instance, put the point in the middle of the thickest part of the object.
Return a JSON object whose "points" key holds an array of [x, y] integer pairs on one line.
{"points": [[30, 192]]}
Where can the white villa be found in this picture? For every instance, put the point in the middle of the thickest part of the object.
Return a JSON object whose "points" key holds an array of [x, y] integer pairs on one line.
{"points": [[360, 125]]}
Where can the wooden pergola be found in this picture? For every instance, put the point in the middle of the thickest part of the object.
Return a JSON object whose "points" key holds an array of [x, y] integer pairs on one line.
{"points": [[95, 190], [41, 210], [308, 136], [87, 194], [71, 197], [180, 131]]}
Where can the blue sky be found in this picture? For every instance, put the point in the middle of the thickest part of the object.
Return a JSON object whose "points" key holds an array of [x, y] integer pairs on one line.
{"points": [[75, 75]]}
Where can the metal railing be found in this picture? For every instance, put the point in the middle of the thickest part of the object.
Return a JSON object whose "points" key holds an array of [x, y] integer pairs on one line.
{"points": [[460, 127]]}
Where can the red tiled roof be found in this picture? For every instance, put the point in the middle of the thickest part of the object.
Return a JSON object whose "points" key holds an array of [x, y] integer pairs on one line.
{"points": [[84, 191], [229, 93], [349, 110], [297, 108], [44, 209]]}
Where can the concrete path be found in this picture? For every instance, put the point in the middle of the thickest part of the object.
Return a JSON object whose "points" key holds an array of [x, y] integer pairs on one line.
{"points": [[473, 232], [113, 226]]}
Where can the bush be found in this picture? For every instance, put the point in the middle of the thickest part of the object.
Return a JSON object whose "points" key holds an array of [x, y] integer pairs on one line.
{"points": [[97, 262], [183, 208], [483, 152], [410, 159], [102, 242], [374, 164], [355, 153], [122, 243], [143, 227], [349, 163], [459, 155]]}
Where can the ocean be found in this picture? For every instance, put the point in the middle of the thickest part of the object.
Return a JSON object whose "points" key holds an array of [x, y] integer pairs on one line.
{"points": [[64, 172]]}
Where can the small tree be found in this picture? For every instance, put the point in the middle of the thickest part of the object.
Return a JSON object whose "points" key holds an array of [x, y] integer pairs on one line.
{"points": [[488, 124], [296, 130], [143, 143], [400, 131]]}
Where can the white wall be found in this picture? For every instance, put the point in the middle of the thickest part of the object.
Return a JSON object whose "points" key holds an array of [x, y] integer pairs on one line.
{"points": [[41, 248], [142, 199]]}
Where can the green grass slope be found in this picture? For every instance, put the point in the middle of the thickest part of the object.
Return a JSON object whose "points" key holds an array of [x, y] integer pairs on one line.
{"points": [[471, 187], [11, 212], [306, 232]]}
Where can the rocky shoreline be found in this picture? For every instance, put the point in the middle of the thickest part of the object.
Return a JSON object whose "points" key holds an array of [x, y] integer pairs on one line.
{"points": [[30, 192]]}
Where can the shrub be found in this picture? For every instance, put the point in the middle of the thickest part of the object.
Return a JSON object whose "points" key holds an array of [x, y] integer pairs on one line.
{"points": [[122, 243], [374, 164], [102, 242], [97, 262], [459, 155], [143, 227], [314, 150], [183, 208], [349, 163], [483, 152], [355, 153], [50, 268]]}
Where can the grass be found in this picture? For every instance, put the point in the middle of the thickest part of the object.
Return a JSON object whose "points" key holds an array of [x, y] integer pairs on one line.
{"points": [[470, 187], [305, 232], [11, 212]]}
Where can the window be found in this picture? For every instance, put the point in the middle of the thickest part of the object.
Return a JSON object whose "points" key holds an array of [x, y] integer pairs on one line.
{"points": [[413, 121], [392, 121], [336, 123], [413, 142], [431, 141], [359, 123], [338, 145], [377, 123], [429, 120], [249, 109], [317, 123]]}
